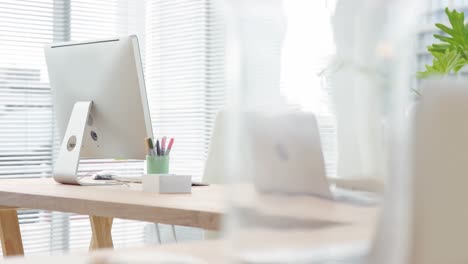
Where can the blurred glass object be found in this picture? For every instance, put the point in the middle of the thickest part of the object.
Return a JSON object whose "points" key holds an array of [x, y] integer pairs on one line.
{"points": [[357, 69]]}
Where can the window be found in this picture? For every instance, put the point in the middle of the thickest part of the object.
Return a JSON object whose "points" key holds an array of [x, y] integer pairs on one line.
{"points": [[304, 57], [180, 47], [25, 106], [184, 73], [183, 56]]}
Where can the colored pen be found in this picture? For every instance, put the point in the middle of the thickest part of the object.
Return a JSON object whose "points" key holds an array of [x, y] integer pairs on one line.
{"points": [[163, 145], [149, 146], [148, 149], [158, 150], [169, 146], [150, 142]]}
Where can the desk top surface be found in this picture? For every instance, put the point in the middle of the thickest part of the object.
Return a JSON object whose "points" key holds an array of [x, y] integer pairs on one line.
{"points": [[203, 208]]}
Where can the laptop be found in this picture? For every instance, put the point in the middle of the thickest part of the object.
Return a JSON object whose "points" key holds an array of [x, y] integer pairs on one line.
{"points": [[280, 154]]}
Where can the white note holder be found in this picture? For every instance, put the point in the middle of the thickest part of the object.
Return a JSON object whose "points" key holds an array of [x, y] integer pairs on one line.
{"points": [[167, 183]]}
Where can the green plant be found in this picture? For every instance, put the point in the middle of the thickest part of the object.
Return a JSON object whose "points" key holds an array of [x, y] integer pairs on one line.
{"points": [[450, 56]]}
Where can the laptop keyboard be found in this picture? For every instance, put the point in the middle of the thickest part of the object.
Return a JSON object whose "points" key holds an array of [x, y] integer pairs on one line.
{"points": [[359, 259], [354, 253], [356, 197], [343, 254]]}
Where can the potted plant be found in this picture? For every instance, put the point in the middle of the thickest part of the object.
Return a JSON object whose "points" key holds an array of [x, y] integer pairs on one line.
{"points": [[451, 55]]}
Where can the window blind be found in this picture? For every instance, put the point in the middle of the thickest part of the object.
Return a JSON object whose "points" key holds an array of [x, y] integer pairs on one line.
{"points": [[184, 75], [181, 45], [25, 107], [27, 137]]}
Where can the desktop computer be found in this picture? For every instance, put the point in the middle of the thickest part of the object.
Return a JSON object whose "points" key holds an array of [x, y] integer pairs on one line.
{"points": [[99, 101]]}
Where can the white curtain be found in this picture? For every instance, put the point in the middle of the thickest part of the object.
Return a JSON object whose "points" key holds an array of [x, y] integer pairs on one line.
{"points": [[308, 49]]}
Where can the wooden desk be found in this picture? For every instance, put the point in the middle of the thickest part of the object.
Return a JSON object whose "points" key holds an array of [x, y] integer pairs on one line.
{"points": [[214, 251], [203, 208]]}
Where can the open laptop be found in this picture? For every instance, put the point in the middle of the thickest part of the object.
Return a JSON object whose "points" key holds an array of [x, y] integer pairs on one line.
{"points": [[286, 154], [280, 153]]}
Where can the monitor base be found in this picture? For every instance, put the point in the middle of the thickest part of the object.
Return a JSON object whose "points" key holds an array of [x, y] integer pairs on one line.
{"points": [[66, 165]]}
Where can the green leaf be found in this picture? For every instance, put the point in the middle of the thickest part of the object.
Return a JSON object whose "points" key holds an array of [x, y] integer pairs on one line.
{"points": [[451, 55], [446, 29], [457, 36], [451, 61], [438, 48], [453, 41]]}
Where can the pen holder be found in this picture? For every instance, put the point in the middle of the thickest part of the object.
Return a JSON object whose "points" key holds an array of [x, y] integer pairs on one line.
{"points": [[157, 164]]}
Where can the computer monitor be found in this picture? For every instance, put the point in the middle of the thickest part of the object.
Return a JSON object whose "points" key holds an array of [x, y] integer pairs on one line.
{"points": [[99, 100]]}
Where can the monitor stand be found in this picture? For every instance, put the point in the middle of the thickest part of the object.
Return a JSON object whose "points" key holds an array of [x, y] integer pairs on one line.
{"points": [[66, 165]]}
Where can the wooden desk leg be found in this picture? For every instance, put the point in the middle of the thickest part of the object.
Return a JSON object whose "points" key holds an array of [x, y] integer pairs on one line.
{"points": [[10, 233], [102, 236]]}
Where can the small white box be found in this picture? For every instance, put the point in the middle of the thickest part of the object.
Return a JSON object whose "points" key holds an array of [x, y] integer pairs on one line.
{"points": [[167, 183]]}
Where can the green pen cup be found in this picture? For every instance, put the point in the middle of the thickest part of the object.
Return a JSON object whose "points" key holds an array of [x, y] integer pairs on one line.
{"points": [[157, 164]]}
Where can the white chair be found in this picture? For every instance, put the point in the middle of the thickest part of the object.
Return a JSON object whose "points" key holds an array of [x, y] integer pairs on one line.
{"points": [[426, 220], [439, 230]]}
